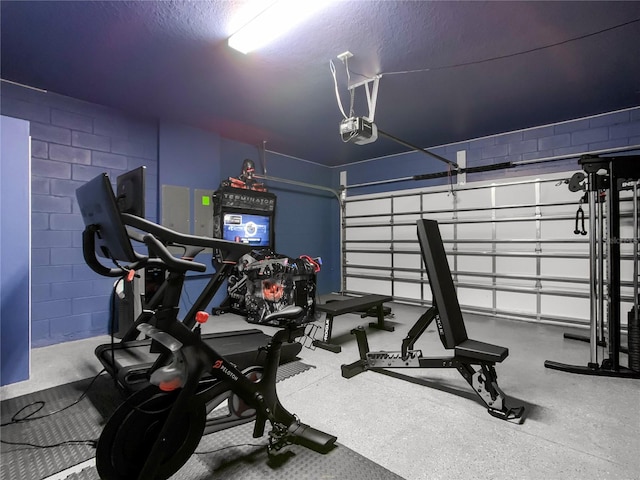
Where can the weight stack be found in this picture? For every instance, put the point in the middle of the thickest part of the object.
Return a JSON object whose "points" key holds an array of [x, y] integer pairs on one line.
{"points": [[634, 340]]}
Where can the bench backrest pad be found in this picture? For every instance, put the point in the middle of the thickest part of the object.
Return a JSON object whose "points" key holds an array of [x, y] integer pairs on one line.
{"points": [[441, 283]]}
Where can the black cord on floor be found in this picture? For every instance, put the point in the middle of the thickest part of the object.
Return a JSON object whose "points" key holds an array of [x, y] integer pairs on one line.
{"points": [[261, 445], [88, 443], [41, 404]]}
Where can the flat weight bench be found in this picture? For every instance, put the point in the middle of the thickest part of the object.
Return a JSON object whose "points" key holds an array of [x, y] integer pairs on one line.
{"points": [[351, 305], [453, 334]]}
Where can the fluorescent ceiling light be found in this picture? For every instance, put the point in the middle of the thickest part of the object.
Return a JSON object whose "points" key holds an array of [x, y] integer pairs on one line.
{"points": [[279, 18]]}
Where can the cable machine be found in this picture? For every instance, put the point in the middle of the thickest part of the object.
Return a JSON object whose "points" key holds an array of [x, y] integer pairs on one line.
{"points": [[606, 178]]}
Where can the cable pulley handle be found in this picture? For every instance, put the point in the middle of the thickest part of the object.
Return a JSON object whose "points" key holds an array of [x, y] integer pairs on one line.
{"points": [[580, 220], [172, 262]]}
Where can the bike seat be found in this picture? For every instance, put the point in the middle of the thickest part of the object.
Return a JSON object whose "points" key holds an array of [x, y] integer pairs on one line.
{"points": [[285, 316]]}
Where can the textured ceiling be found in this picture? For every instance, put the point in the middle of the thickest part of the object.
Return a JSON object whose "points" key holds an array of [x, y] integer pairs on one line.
{"points": [[169, 60]]}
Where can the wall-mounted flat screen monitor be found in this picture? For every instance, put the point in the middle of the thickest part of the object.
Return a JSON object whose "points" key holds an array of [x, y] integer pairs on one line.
{"points": [[245, 228], [131, 192]]}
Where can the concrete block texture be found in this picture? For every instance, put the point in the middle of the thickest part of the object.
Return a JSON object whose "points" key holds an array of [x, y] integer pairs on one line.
{"points": [[72, 141]]}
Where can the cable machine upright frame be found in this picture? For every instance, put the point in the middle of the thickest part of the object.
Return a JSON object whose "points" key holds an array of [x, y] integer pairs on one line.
{"points": [[612, 174]]}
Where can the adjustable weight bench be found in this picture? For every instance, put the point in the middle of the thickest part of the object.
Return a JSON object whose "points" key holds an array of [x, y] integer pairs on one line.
{"points": [[333, 308], [453, 334]]}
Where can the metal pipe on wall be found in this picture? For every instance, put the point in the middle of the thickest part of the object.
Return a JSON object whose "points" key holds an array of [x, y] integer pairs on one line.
{"points": [[300, 184]]}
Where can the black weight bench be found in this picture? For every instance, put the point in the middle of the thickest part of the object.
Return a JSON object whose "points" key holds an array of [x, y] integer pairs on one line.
{"points": [[453, 334], [336, 306]]}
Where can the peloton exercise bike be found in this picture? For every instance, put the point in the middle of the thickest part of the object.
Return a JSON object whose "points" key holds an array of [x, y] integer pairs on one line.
{"points": [[130, 360], [155, 431]]}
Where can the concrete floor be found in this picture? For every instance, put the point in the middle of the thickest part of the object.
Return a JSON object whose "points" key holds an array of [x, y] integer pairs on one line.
{"points": [[577, 427]]}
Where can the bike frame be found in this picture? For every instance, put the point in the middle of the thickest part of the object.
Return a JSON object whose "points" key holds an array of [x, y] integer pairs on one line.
{"points": [[200, 360]]}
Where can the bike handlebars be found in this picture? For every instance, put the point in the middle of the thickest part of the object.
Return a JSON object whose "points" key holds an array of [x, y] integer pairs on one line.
{"points": [[169, 260], [232, 251], [89, 253], [156, 237]]}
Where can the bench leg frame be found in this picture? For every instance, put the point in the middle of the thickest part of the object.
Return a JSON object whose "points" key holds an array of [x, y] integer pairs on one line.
{"points": [[325, 343], [483, 381], [380, 325]]}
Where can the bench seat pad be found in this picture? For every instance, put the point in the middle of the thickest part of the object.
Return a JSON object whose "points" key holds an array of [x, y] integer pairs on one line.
{"points": [[353, 304], [481, 351]]}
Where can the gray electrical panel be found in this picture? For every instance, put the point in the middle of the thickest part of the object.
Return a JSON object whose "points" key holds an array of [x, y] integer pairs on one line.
{"points": [[176, 208]]}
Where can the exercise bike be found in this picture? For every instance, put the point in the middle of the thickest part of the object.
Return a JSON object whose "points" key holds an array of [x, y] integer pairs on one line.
{"points": [[155, 431]]}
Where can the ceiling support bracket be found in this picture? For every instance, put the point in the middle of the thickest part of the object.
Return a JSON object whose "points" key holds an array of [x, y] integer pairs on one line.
{"points": [[372, 95]]}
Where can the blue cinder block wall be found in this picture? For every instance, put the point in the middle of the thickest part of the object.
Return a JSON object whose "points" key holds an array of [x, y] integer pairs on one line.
{"points": [[73, 141]]}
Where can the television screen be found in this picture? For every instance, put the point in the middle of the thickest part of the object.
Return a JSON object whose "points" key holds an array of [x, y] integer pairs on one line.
{"points": [[130, 192], [253, 230]]}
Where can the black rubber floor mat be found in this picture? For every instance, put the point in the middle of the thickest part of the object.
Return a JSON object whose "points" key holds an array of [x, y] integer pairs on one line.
{"points": [[235, 455], [82, 422]]}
